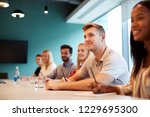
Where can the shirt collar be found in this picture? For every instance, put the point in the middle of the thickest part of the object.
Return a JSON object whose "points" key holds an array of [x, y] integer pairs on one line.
{"points": [[106, 52], [69, 63]]}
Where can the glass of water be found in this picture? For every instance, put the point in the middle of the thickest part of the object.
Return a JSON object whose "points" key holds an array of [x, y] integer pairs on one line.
{"points": [[39, 82]]}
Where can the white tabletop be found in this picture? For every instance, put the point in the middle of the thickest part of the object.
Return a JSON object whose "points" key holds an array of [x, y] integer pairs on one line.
{"points": [[25, 90]]}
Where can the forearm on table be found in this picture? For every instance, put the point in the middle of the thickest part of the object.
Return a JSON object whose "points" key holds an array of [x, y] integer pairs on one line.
{"points": [[114, 89], [75, 77], [83, 85], [104, 78]]}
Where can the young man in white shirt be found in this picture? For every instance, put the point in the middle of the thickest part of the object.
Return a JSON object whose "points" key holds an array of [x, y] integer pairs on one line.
{"points": [[107, 65]]}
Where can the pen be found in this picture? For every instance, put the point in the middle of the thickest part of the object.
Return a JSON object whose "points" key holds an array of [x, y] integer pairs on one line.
{"points": [[63, 75], [93, 75], [43, 77]]}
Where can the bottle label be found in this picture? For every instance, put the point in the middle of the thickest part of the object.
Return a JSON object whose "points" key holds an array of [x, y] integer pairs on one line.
{"points": [[15, 78]]}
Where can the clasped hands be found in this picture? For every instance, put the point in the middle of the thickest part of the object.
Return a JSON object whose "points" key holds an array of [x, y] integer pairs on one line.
{"points": [[58, 85]]}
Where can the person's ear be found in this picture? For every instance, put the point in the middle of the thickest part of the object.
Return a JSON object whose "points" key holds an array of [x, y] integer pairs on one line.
{"points": [[103, 36]]}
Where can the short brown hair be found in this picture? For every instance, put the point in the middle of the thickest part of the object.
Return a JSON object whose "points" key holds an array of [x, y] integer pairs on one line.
{"points": [[38, 55], [97, 26]]}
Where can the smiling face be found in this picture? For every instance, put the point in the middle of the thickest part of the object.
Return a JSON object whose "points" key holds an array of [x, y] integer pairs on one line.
{"points": [[82, 52], [45, 57], [140, 25], [65, 54], [93, 39]]}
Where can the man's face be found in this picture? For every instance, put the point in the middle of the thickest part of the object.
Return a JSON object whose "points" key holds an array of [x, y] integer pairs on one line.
{"points": [[38, 60], [65, 55], [92, 39]]}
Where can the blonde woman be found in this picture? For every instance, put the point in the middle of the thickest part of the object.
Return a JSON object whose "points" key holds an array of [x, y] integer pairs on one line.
{"points": [[48, 63], [82, 55]]}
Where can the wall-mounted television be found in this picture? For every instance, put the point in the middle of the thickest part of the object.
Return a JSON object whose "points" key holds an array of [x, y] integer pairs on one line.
{"points": [[13, 51]]}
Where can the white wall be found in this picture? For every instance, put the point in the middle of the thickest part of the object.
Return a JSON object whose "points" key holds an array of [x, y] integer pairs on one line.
{"points": [[127, 6]]}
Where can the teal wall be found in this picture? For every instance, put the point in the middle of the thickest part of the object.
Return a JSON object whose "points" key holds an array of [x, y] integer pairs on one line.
{"points": [[40, 30]]}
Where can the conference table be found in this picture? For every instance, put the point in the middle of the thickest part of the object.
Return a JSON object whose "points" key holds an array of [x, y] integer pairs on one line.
{"points": [[26, 90]]}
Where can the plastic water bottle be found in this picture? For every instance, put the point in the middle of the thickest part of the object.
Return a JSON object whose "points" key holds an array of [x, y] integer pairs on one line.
{"points": [[16, 75]]}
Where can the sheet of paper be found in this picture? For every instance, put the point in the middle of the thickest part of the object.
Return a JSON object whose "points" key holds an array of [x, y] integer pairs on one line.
{"points": [[91, 94]]}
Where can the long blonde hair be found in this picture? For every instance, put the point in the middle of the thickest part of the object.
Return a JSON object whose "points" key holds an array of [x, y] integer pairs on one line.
{"points": [[50, 57], [78, 61]]}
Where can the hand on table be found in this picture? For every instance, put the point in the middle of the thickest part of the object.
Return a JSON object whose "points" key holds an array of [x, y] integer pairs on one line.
{"points": [[52, 84], [101, 88]]}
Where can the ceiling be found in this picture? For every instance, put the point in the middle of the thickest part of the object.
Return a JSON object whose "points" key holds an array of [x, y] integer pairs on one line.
{"points": [[84, 11], [89, 10], [71, 2]]}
